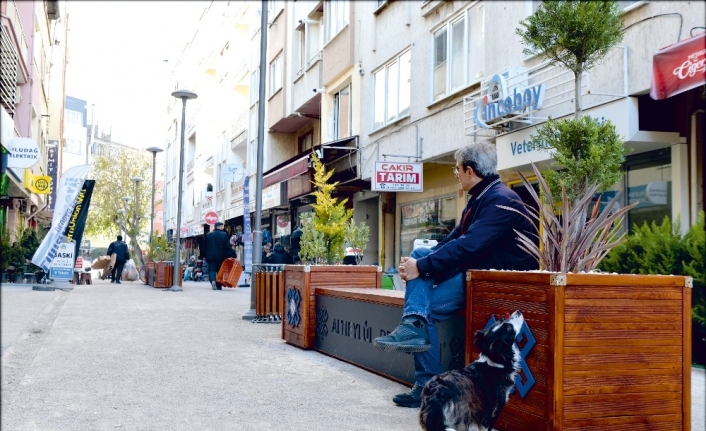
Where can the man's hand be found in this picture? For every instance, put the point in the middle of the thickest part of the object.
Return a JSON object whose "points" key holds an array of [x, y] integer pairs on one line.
{"points": [[408, 268]]}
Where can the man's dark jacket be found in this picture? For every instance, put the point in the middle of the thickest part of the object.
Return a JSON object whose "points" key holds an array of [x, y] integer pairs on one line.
{"points": [[279, 255], [122, 254], [484, 239], [217, 247]]}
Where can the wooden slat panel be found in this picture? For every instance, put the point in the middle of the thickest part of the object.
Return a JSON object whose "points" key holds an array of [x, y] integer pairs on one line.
{"points": [[644, 292], [607, 405], [686, 362], [617, 349], [629, 381], [626, 305], [371, 294], [514, 419], [597, 280], [627, 326], [596, 314], [531, 293], [626, 423]]}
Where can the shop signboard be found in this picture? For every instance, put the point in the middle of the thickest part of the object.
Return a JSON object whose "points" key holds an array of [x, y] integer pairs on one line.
{"points": [[24, 153], [62, 267], [398, 177], [53, 171], [678, 68], [247, 232]]}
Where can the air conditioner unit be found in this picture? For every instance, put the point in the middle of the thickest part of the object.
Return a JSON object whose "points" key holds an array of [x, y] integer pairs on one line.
{"points": [[25, 208]]}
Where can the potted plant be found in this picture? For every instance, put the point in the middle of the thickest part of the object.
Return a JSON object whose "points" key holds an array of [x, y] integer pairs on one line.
{"points": [[323, 245], [159, 267], [597, 348]]}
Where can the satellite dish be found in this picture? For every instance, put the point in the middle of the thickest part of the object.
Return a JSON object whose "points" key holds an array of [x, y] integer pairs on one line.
{"points": [[233, 172]]}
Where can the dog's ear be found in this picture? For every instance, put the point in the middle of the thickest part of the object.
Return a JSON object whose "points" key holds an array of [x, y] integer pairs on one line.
{"points": [[479, 340]]}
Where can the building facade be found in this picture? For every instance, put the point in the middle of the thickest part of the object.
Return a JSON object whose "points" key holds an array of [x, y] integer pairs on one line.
{"points": [[31, 87], [384, 87]]}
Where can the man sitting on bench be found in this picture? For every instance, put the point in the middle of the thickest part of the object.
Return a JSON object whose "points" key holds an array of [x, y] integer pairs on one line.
{"points": [[484, 239]]}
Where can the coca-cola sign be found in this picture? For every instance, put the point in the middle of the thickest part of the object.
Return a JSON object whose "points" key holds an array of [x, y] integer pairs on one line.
{"points": [[211, 218], [679, 67]]}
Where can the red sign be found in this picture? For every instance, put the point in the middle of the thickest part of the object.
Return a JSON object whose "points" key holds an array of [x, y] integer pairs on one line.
{"points": [[211, 217], [398, 177], [184, 229], [679, 67]]}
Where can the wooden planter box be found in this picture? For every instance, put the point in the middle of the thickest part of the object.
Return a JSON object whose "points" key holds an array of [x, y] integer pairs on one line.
{"points": [[612, 352], [299, 302], [162, 275], [149, 272]]}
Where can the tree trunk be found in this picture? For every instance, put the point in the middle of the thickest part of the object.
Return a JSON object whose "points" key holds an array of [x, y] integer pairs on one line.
{"points": [[577, 93]]}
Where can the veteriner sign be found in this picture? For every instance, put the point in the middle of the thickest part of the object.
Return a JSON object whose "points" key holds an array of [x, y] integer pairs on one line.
{"points": [[398, 177]]}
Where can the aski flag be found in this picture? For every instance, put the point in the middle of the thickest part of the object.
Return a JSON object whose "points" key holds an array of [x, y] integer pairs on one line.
{"points": [[70, 185]]}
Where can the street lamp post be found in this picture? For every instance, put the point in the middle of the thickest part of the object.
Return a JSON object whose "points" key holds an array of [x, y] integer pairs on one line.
{"points": [[120, 229], [184, 95], [154, 151]]}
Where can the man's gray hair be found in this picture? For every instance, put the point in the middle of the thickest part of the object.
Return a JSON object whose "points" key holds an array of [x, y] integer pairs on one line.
{"points": [[482, 157]]}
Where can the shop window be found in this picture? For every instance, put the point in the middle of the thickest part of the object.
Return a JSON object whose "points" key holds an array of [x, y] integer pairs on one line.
{"points": [[430, 219], [649, 182]]}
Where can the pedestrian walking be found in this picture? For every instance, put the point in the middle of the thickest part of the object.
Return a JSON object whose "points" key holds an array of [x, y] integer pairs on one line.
{"points": [[279, 255], [295, 244], [217, 249], [122, 255]]}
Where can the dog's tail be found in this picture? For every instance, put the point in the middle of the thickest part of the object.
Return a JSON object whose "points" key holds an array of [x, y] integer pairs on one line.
{"points": [[435, 397]]}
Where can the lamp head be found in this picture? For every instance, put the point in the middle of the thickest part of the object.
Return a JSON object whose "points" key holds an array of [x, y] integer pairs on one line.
{"points": [[154, 150], [127, 199], [184, 94], [137, 179]]}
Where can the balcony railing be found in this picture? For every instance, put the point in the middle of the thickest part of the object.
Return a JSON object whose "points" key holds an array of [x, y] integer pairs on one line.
{"points": [[14, 18]]}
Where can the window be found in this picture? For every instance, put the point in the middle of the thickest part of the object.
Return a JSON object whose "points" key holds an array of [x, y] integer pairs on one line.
{"points": [[276, 75], [457, 57], [431, 219], [336, 14], [300, 55], [73, 146], [254, 86], [273, 8], [73, 117], [392, 90], [306, 141], [649, 182], [342, 113]]}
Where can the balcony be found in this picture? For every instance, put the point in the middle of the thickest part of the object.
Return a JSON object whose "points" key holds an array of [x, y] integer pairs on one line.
{"points": [[306, 102]]}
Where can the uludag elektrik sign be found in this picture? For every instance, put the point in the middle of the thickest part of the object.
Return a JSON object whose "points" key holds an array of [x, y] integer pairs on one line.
{"points": [[397, 177]]}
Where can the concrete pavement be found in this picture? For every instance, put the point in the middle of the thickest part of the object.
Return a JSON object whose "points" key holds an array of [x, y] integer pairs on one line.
{"points": [[130, 357]]}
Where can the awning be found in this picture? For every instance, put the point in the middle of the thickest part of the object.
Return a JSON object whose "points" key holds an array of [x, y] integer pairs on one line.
{"points": [[679, 67], [290, 170]]}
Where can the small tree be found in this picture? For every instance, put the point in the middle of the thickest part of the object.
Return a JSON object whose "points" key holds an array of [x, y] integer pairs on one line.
{"points": [[113, 172], [312, 243], [357, 237], [577, 35], [329, 220]]}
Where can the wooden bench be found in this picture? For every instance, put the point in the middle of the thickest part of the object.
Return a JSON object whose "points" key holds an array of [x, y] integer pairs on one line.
{"points": [[349, 318]]}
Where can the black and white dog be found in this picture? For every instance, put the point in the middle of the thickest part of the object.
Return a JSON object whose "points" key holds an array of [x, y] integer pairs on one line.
{"points": [[471, 399]]}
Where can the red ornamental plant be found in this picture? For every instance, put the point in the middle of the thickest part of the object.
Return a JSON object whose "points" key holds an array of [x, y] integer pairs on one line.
{"points": [[570, 242]]}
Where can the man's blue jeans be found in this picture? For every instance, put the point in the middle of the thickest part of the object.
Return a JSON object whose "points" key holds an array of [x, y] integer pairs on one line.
{"points": [[435, 304]]}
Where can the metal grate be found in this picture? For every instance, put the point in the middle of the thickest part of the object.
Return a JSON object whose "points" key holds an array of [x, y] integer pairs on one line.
{"points": [[8, 72]]}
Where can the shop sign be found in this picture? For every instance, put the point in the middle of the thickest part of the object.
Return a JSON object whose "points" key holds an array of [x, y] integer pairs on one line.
{"points": [[24, 153], [207, 202], [38, 184], [498, 102], [398, 177], [211, 218], [518, 148], [53, 171], [271, 196], [679, 67], [62, 267]]}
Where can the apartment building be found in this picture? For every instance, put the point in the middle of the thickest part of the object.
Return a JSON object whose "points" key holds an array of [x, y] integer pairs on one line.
{"points": [[33, 47], [214, 65], [382, 87]]}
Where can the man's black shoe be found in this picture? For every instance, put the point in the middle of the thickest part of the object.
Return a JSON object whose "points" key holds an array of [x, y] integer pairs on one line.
{"points": [[411, 336], [413, 398]]}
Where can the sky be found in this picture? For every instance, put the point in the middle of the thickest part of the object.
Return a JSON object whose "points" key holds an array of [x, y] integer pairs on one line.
{"points": [[117, 53]]}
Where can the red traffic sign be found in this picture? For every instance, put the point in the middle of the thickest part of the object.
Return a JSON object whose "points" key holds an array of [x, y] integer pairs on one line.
{"points": [[211, 217]]}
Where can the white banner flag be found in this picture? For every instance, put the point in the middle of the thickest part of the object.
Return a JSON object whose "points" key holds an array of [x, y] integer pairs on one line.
{"points": [[70, 185]]}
